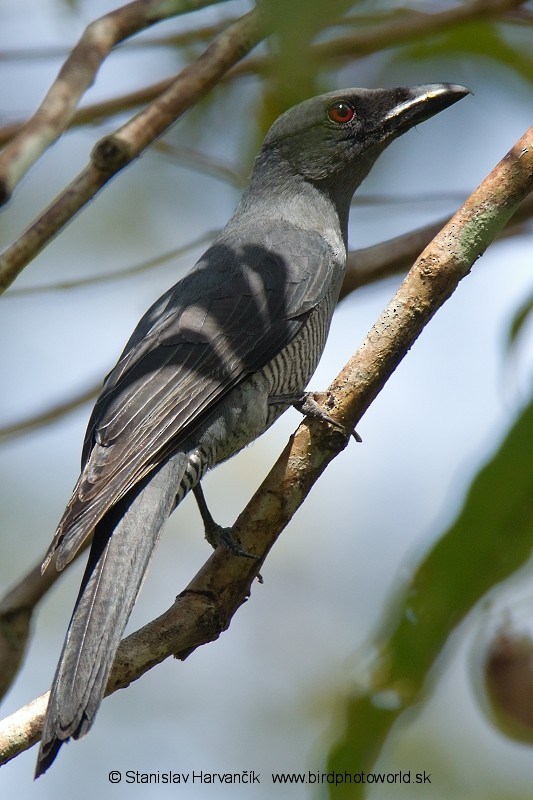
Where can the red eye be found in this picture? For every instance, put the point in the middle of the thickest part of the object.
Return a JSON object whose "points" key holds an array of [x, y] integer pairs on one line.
{"points": [[341, 112]]}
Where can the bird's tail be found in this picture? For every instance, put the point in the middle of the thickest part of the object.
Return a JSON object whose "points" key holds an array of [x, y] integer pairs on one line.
{"points": [[122, 547]]}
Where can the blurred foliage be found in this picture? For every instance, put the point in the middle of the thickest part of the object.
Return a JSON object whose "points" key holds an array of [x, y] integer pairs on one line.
{"points": [[520, 320], [493, 534], [296, 24], [386, 28], [492, 40], [491, 538]]}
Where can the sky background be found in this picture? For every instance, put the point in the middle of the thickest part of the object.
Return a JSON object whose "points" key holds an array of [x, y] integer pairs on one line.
{"points": [[266, 696]]}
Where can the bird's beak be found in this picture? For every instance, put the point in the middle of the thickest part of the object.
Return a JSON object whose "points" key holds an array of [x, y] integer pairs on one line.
{"points": [[419, 103]]}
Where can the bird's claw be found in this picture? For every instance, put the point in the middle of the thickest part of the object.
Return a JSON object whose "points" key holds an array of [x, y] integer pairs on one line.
{"points": [[217, 536], [308, 405]]}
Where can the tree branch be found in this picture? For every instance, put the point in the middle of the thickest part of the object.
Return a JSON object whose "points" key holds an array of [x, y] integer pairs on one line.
{"points": [[75, 77], [104, 109], [114, 152], [205, 608], [16, 610], [109, 277], [172, 40], [55, 412], [364, 267], [413, 26], [391, 33], [397, 29], [393, 257]]}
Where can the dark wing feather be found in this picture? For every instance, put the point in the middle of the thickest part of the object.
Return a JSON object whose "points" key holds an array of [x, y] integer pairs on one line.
{"points": [[227, 318]]}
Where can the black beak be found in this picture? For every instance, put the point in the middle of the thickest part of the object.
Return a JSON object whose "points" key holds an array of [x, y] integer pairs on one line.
{"points": [[418, 103]]}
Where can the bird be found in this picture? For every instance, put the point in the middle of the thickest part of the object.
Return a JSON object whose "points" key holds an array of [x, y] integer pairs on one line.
{"points": [[212, 364]]}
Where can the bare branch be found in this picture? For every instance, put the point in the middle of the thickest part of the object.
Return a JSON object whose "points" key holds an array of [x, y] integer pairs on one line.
{"points": [[200, 162], [400, 27], [206, 607], [364, 266], [433, 278], [521, 16], [105, 108], [16, 609], [114, 152], [127, 142], [114, 275], [48, 52], [52, 414], [25, 723], [392, 33], [75, 77], [410, 26], [393, 257]]}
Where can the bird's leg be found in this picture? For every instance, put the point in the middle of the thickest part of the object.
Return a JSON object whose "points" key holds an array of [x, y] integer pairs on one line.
{"points": [[307, 403], [214, 533]]}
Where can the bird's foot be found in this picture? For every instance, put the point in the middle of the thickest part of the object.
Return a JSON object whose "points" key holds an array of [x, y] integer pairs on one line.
{"points": [[309, 404], [215, 534]]}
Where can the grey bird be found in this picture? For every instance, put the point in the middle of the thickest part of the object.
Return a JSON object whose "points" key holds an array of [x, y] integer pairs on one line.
{"points": [[212, 364]]}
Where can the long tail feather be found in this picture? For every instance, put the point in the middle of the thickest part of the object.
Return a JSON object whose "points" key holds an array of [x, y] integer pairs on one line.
{"points": [[123, 544]]}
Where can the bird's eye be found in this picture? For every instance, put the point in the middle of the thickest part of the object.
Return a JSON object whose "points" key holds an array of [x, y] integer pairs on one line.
{"points": [[341, 112]]}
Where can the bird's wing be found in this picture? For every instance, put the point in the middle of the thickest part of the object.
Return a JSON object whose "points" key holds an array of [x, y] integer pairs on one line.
{"points": [[233, 313]]}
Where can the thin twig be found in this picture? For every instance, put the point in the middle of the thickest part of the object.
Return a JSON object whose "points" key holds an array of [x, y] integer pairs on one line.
{"points": [[114, 152], [200, 162], [393, 257], [394, 32], [412, 26], [74, 78], [52, 414], [94, 112], [364, 266], [16, 610], [205, 608], [53, 52], [115, 275]]}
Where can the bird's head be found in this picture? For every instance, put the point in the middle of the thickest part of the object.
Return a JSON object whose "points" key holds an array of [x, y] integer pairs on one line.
{"points": [[333, 140]]}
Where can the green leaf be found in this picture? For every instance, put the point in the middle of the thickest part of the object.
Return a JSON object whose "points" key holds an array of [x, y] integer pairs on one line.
{"points": [[491, 538]]}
